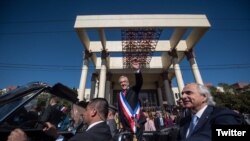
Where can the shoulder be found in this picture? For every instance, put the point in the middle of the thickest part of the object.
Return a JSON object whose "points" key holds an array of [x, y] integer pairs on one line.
{"points": [[102, 124], [83, 135], [219, 111], [222, 115], [103, 127]]}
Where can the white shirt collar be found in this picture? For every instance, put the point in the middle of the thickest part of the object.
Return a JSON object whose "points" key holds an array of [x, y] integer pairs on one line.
{"points": [[200, 112], [93, 124]]}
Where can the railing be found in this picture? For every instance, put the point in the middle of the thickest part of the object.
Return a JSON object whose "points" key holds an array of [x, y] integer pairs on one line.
{"points": [[167, 134]]}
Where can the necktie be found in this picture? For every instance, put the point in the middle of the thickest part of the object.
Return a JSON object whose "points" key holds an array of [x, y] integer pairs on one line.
{"points": [[124, 92], [192, 124]]}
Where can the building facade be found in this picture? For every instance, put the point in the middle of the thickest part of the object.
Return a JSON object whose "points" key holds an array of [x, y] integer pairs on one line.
{"points": [[160, 42]]}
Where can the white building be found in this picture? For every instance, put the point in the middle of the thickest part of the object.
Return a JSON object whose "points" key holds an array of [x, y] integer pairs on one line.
{"points": [[160, 42]]}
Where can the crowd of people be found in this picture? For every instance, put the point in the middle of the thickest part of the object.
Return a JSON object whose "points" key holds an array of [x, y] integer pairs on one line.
{"points": [[97, 120]]}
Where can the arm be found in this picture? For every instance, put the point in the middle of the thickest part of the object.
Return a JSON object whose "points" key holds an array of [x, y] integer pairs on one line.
{"points": [[138, 76], [138, 82]]}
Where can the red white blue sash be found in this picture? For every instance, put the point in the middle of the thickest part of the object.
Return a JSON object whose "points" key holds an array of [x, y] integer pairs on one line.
{"points": [[132, 115]]}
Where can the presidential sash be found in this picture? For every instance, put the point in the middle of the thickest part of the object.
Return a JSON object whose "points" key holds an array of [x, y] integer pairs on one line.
{"points": [[132, 115]]}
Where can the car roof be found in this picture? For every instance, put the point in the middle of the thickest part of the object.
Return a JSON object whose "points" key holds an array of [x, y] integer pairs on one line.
{"points": [[58, 89]]}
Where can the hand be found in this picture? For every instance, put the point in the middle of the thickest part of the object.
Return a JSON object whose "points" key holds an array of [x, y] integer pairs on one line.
{"points": [[17, 135], [135, 64], [50, 129]]}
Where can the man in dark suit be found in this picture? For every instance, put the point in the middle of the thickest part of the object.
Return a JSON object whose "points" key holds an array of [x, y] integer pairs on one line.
{"points": [[52, 113], [130, 114], [95, 116], [198, 126]]}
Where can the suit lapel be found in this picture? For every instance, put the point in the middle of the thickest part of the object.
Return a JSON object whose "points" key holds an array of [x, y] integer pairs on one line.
{"points": [[204, 118], [129, 98]]}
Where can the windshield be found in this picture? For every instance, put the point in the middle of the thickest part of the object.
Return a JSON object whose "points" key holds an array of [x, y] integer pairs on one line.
{"points": [[33, 109], [8, 108]]}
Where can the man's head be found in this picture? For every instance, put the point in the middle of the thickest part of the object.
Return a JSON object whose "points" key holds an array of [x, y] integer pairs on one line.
{"points": [[195, 96], [53, 100], [77, 111], [124, 82], [112, 111], [97, 110]]}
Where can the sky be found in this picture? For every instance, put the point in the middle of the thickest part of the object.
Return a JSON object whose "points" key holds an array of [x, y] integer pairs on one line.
{"points": [[38, 41]]}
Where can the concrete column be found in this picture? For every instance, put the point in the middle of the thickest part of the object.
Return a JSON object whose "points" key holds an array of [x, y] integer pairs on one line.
{"points": [[177, 70], [195, 69], [96, 88], [172, 93], [108, 87], [159, 92], [168, 89], [112, 93], [93, 85], [103, 72], [178, 74], [84, 74]]}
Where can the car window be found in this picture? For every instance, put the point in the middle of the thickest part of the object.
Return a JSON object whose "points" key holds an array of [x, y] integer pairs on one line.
{"points": [[8, 108], [30, 111]]}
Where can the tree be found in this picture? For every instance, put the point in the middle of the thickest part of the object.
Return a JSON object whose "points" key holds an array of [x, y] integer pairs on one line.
{"points": [[236, 101], [227, 88]]}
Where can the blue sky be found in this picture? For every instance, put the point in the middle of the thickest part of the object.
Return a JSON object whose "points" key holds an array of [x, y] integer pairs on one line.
{"points": [[38, 41]]}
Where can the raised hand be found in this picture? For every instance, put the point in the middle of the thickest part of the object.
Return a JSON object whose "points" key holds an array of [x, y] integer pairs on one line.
{"points": [[135, 64]]}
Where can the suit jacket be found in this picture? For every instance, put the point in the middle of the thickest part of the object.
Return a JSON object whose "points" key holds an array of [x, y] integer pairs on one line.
{"points": [[52, 114], [99, 132], [211, 116], [132, 97]]}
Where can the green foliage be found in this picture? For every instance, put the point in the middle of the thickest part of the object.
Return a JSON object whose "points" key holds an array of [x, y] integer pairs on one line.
{"points": [[213, 89], [239, 102]]}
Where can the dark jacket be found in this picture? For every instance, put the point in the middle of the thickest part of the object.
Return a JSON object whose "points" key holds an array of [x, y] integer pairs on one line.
{"points": [[52, 114], [99, 132], [211, 116]]}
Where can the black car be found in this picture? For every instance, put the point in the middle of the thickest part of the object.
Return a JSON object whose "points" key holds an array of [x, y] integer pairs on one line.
{"points": [[24, 106]]}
